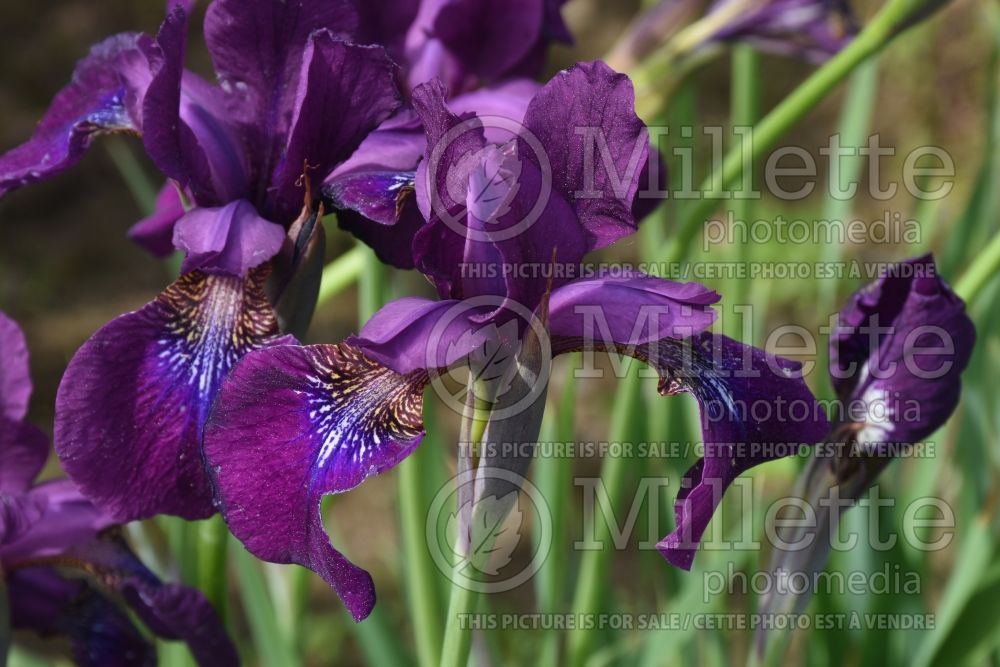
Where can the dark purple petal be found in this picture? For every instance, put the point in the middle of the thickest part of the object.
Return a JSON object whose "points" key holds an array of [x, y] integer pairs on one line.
{"points": [[15, 381], [577, 115], [133, 401], [67, 519], [229, 240], [630, 310], [386, 23], [813, 29], [105, 95], [18, 514], [490, 38], [155, 232], [257, 47], [171, 611], [897, 355], [295, 423], [755, 407], [345, 91], [411, 334], [169, 141], [101, 634], [23, 451]]}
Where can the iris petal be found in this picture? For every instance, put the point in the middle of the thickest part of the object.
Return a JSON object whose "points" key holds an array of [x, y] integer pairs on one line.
{"points": [[735, 385], [295, 423], [133, 401]]}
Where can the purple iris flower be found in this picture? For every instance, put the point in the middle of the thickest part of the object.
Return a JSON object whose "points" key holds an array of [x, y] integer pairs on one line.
{"points": [[294, 99], [812, 29], [64, 562], [896, 357], [294, 423], [901, 341], [487, 52]]}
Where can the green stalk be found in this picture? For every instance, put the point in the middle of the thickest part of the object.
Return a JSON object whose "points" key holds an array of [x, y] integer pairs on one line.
{"points": [[270, 643], [4, 620], [853, 128], [883, 27], [339, 274], [462, 601], [421, 576], [212, 565], [553, 478], [984, 267], [594, 564], [744, 110]]}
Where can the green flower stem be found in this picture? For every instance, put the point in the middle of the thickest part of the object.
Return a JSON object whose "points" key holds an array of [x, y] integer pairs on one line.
{"points": [[744, 110], [341, 273], [883, 27], [626, 413], [553, 478], [985, 266], [421, 579], [462, 601], [212, 570], [4, 621]]}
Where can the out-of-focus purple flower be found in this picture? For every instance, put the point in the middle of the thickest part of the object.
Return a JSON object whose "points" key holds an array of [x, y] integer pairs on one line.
{"points": [[896, 358], [813, 29], [294, 99], [294, 423], [62, 561], [487, 53]]}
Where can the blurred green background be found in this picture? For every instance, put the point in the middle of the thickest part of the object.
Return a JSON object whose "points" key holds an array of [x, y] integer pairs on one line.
{"points": [[66, 268]]}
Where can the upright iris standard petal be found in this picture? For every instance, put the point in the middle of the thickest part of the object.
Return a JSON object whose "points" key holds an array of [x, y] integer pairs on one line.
{"points": [[132, 404], [755, 407], [897, 354], [345, 91], [294, 423], [257, 48], [105, 95], [596, 145], [230, 240], [155, 232], [23, 450], [15, 382]]}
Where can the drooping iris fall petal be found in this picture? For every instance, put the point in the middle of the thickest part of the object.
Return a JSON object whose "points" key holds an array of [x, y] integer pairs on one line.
{"points": [[133, 401], [292, 424]]}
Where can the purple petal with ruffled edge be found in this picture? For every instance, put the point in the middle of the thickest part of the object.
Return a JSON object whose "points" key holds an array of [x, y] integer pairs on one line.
{"points": [[294, 423], [735, 384], [229, 240], [900, 342], [101, 634], [155, 232], [345, 91], [171, 611], [257, 48], [105, 95], [462, 179], [67, 519], [592, 95], [133, 401], [15, 381]]}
